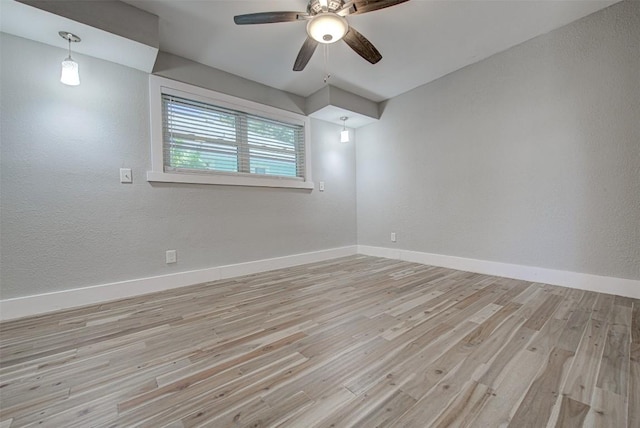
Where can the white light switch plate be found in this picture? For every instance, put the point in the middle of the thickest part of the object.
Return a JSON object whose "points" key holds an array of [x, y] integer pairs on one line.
{"points": [[172, 256], [321, 186], [125, 175]]}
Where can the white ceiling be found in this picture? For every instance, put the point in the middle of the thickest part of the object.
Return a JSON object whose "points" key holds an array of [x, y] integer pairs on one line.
{"points": [[420, 40]]}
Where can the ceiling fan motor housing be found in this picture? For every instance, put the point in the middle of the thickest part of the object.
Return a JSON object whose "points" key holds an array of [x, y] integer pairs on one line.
{"points": [[315, 6]]}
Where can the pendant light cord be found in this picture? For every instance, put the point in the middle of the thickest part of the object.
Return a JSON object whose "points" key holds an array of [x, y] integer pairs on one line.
{"points": [[69, 37]]}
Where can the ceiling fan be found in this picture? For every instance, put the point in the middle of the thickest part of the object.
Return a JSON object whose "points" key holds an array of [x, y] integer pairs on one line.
{"points": [[326, 23]]}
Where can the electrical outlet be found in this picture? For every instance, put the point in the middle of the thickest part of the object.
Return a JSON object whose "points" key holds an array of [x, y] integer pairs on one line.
{"points": [[393, 237], [321, 186], [172, 256], [125, 175]]}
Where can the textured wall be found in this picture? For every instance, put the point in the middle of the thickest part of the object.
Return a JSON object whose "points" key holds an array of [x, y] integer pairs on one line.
{"points": [[65, 219], [530, 157]]}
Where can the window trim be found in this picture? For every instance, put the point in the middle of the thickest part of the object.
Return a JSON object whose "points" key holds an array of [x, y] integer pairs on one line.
{"points": [[159, 85]]}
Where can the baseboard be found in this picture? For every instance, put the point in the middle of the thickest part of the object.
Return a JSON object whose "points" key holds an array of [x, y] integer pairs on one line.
{"points": [[583, 281], [49, 302]]}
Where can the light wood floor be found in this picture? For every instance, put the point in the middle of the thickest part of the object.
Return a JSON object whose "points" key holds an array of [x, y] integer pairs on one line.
{"points": [[358, 341]]}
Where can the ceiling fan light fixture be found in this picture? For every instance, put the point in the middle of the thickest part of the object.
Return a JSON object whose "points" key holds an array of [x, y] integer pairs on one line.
{"points": [[327, 27]]}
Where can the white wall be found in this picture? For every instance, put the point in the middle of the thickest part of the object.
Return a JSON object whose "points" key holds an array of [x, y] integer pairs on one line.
{"points": [[531, 157], [67, 222]]}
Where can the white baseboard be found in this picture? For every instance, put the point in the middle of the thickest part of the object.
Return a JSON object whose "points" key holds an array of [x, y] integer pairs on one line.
{"points": [[582, 281], [49, 302]]}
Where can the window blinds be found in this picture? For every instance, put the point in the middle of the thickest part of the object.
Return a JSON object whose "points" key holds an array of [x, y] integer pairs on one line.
{"points": [[200, 137]]}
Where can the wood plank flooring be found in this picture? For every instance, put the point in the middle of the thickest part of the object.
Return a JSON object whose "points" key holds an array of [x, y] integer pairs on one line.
{"points": [[358, 341]]}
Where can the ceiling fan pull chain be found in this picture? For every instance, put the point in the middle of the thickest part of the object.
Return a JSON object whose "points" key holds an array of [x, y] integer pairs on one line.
{"points": [[327, 76]]}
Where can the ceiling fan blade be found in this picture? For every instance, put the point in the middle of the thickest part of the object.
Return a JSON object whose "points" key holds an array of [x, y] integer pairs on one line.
{"points": [[362, 46], [268, 17], [347, 9], [305, 54], [364, 6]]}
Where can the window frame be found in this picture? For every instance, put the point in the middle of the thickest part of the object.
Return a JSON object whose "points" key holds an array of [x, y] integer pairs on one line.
{"points": [[160, 85]]}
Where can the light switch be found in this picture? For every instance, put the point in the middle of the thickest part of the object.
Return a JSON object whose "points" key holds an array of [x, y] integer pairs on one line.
{"points": [[321, 186], [125, 175]]}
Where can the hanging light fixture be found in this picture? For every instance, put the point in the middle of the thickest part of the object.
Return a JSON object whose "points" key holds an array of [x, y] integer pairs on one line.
{"points": [[344, 134], [70, 75], [327, 27]]}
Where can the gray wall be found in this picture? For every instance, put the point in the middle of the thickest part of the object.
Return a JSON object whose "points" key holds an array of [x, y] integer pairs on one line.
{"points": [[184, 70], [65, 219], [530, 157]]}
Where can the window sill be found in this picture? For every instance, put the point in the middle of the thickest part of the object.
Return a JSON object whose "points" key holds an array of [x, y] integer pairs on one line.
{"points": [[165, 177]]}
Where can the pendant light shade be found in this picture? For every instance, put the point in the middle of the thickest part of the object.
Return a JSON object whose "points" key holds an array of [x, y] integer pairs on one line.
{"points": [[70, 74], [344, 134]]}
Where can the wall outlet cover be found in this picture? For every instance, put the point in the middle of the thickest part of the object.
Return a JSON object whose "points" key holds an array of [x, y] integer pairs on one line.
{"points": [[171, 256]]}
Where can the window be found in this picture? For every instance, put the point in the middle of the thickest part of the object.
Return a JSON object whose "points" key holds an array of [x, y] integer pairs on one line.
{"points": [[200, 136]]}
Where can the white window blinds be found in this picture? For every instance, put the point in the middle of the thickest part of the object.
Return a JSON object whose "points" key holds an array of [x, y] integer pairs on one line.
{"points": [[200, 138]]}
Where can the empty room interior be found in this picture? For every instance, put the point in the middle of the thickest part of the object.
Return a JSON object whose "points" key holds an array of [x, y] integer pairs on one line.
{"points": [[320, 213]]}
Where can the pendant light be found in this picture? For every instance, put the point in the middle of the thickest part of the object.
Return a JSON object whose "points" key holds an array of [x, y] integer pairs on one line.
{"points": [[344, 134], [70, 75]]}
